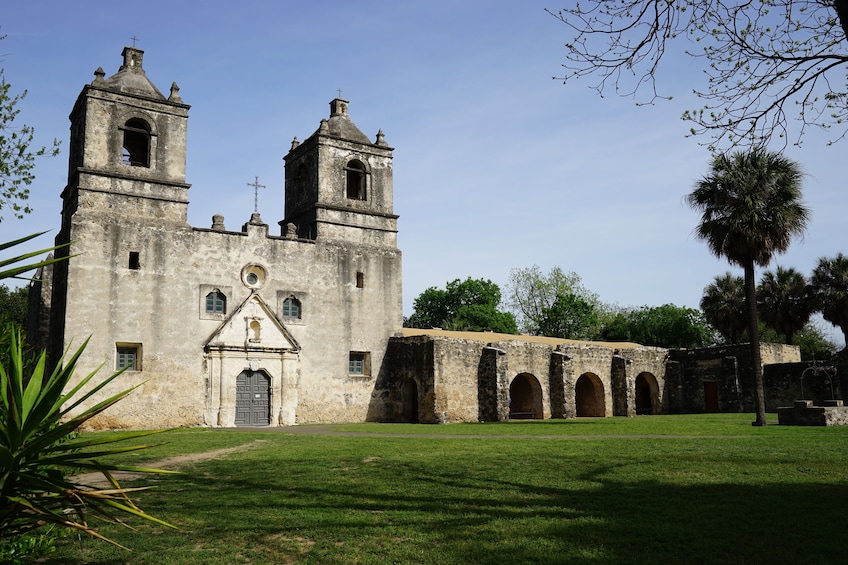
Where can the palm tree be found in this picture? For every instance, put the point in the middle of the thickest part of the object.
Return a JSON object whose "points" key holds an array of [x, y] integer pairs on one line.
{"points": [[783, 299], [750, 205], [723, 305], [829, 286]]}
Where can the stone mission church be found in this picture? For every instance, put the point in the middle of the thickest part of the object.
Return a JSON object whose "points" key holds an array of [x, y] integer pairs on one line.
{"points": [[219, 327], [302, 322]]}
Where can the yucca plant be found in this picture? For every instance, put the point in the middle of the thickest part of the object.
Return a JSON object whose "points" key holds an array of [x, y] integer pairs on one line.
{"points": [[39, 452], [12, 267]]}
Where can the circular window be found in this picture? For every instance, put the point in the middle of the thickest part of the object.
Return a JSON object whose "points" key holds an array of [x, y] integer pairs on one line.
{"points": [[254, 276]]}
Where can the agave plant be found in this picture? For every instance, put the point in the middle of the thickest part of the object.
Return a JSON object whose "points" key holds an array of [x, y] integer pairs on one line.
{"points": [[39, 452], [11, 267]]}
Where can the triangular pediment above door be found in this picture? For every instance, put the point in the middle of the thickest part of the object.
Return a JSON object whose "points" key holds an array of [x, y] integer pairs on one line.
{"points": [[252, 326]]}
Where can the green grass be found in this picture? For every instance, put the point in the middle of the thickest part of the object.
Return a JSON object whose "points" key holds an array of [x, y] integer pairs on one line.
{"points": [[713, 490]]}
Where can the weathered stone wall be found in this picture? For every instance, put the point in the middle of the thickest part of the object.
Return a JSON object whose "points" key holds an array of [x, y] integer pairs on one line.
{"points": [[589, 359], [725, 372], [139, 274], [784, 384], [405, 359]]}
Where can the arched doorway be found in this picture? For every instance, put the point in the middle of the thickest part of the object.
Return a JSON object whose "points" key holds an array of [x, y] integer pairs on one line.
{"points": [[525, 398], [647, 394], [253, 399], [410, 401], [589, 391]]}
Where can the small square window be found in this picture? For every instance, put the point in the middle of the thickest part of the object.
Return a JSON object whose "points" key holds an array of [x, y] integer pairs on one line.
{"points": [[128, 355], [359, 363]]}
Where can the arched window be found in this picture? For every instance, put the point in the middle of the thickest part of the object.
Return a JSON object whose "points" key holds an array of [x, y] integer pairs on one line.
{"points": [[216, 302], [291, 308], [136, 148], [355, 180]]}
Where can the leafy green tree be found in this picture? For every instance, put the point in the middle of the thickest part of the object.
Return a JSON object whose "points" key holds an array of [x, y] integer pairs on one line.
{"points": [[829, 287], [750, 205], [764, 61], [723, 305], [570, 317], [783, 300], [469, 305], [814, 343], [531, 293], [13, 305], [661, 326], [17, 158]]}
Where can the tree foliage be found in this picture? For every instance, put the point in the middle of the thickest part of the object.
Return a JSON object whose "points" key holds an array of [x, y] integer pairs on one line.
{"points": [[829, 288], [531, 293], [750, 205], [723, 305], [570, 317], [17, 157], [469, 305], [13, 305], [661, 326], [783, 301], [814, 343], [765, 61]]}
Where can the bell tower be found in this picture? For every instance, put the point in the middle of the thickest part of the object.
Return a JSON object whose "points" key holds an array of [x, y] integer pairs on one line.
{"points": [[127, 153], [126, 195], [339, 184]]}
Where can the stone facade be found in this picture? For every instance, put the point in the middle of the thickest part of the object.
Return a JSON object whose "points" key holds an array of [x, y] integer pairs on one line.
{"points": [[436, 376], [223, 327], [721, 379], [210, 319]]}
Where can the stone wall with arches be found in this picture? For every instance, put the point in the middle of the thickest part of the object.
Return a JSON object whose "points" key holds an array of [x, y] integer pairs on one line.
{"points": [[471, 377]]}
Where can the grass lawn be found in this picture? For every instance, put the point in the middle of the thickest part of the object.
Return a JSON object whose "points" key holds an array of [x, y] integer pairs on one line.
{"points": [[655, 489]]}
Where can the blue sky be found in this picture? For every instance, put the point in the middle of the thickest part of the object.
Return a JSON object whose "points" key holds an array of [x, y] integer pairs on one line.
{"points": [[496, 166]]}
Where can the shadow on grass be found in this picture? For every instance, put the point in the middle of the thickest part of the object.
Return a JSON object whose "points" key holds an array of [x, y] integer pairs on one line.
{"points": [[406, 514]]}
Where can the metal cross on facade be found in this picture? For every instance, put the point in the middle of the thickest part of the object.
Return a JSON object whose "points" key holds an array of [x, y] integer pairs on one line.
{"points": [[256, 186]]}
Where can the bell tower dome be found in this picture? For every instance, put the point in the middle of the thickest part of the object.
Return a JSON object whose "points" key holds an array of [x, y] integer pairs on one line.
{"points": [[339, 183], [128, 148]]}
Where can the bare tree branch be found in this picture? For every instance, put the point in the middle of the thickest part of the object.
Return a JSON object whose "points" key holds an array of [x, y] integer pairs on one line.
{"points": [[767, 61]]}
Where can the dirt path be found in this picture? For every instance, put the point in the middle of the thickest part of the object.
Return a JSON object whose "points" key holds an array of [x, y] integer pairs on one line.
{"points": [[171, 463]]}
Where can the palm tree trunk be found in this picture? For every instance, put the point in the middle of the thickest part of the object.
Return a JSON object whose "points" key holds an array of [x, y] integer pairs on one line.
{"points": [[754, 336]]}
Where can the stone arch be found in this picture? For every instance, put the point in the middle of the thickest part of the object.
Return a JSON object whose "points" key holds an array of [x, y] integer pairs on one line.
{"points": [[409, 393], [589, 393], [525, 398], [135, 146], [647, 394], [356, 175]]}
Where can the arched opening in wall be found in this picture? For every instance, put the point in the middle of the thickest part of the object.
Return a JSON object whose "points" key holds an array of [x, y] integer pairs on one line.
{"points": [[136, 147], [647, 394], [410, 400], [525, 398], [253, 399], [355, 175], [589, 391]]}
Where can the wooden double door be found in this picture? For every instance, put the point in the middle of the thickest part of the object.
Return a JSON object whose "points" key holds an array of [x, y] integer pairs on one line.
{"points": [[253, 399]]}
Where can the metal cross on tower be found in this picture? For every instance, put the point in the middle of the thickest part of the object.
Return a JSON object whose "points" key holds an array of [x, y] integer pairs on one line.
{"points": [[256, 186], [134, 38]]}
